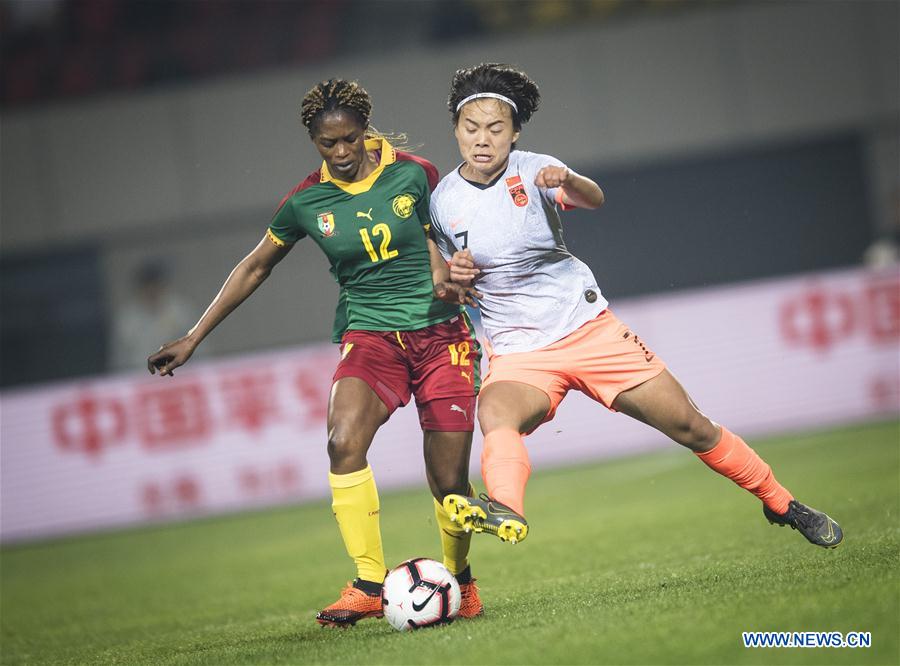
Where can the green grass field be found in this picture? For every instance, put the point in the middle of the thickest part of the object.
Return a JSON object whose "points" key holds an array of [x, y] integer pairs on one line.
{"points": [[646, 560]]}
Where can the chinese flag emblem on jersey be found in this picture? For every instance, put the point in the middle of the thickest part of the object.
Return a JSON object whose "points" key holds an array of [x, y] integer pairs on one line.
{"points": [[517, 191], [326, 223]]}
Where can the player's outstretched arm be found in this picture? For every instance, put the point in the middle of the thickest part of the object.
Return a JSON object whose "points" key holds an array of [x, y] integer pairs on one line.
{"points": [[243, 281], [577, 190]]}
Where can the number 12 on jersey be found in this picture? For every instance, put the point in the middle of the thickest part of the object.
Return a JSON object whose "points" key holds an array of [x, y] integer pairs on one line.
{"points": [[383, 230]]}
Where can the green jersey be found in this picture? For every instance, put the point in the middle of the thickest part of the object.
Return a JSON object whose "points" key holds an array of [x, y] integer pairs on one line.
{"points": [[374, 235]]}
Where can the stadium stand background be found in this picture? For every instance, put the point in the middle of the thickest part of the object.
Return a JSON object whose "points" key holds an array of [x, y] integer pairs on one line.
{"points": [[734, 141], [62, 48]]}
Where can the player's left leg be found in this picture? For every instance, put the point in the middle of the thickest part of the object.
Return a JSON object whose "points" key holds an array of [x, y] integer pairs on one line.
{"points": [[445, 376], [663, 403], [447, 470]]}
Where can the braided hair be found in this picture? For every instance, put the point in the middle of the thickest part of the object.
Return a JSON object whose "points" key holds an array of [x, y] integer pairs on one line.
{"points": [[333, 95], [497, 78]]}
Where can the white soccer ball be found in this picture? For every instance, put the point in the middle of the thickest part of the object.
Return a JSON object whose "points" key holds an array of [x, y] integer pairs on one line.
{"points": [[420, 593]]}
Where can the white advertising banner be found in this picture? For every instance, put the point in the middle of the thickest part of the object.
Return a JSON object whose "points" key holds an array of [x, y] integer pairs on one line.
{"points": [[762, 358]]}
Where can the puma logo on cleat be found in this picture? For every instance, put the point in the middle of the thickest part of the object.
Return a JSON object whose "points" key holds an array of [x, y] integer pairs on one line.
{"points": [[368, 215], [457, 408]]}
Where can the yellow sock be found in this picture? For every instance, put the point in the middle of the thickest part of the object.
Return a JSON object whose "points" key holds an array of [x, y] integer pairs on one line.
{"points": [[454, 540], [354, 500]]}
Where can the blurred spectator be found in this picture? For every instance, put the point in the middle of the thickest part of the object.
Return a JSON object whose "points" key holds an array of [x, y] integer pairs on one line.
{"points": [[155, 316]]}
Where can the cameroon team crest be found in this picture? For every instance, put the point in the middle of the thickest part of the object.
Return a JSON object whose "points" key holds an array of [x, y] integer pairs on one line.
{"points": [[403, 205], [326, 223]]}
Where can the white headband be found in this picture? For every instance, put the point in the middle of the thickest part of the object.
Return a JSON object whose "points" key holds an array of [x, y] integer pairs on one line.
{"points": [[487, 94]]}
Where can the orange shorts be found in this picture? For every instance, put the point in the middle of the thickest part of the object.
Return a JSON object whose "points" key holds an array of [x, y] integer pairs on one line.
{"points": [[601, 359]]}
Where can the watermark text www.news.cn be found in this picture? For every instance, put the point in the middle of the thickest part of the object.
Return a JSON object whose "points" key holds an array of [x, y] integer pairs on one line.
{"points": [[806, 639]]}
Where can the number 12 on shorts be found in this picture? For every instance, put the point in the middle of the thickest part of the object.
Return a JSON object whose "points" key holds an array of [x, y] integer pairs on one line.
{"points": [[459, 353]]}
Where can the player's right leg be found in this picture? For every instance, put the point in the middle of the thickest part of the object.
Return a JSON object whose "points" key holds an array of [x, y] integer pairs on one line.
{"points": [[506, 409], [362, 399], [354, 415]]}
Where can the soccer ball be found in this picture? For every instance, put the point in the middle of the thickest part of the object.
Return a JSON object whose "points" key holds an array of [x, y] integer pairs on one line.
{"points": [[420, 593]]}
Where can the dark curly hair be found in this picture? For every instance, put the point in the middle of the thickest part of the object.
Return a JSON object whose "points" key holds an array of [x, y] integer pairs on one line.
{"points": [[332, 95], [497, 78]]}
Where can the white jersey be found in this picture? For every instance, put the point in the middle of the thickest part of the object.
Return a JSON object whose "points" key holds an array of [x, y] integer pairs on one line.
{"points": [[534, 291]]}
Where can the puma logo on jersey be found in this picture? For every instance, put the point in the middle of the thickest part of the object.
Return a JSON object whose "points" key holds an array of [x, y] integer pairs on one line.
{"points": [[457, 408], [368, 215], [467, 376]]}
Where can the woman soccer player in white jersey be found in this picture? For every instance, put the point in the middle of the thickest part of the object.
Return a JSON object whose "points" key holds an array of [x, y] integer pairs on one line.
{"points": [[548, 327]]}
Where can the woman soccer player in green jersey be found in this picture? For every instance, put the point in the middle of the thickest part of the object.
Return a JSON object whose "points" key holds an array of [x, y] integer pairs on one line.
{"points": [[367, 209]]}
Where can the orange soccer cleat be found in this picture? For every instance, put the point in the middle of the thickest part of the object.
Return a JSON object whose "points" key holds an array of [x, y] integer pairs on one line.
{"points": [[470, 603], [353, 606]]}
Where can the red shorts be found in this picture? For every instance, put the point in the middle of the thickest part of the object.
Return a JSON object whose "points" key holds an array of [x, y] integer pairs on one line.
{"points": [[601, 359], [439, 364]]}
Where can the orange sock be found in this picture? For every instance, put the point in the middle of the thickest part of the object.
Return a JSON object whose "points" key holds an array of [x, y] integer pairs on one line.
{"points": [[505, 467], [732, 457]]}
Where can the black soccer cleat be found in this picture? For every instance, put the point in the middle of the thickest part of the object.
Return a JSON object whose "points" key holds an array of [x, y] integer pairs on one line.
{"points": [[818, 528], [483, 514]]}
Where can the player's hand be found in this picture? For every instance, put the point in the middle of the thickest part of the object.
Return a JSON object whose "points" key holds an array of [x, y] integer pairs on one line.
{"points": [[552, 176], [450, 292], [462, 268], [170, 356]]}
